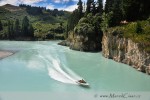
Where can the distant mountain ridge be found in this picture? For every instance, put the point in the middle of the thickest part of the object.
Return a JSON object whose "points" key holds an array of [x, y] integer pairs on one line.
{"points": [[12, 7], [47, 23]]}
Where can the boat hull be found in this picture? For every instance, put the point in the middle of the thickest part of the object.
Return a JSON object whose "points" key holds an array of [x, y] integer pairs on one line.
{"points": [[82, 84]]}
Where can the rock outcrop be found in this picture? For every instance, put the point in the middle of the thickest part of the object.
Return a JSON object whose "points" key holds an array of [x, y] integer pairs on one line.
{"points": [[126, 51], [81, 43], [86, 36]]}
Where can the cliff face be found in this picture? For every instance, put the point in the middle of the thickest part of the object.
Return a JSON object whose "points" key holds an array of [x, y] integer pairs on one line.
{"points": [[82, 43], [126, 51]]}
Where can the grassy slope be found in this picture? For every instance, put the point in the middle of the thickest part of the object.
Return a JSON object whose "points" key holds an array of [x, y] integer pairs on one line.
{"points": [[44, 22]]}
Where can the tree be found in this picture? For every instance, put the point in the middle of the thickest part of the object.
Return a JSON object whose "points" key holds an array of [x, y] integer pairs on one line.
{"points": [[73, 20], [33, 10], [89, 5], [12, 30], [100, 7], [1, 26], [84, 7], [97, 20], [66, 33], [9, 31], [17, 27], [130, 10], [106, 19], [117, 13], [80, 8], [109, 6], [25, 24], [136, 9], [117, 9], [31, 30], [145, 5], [93, 8]]}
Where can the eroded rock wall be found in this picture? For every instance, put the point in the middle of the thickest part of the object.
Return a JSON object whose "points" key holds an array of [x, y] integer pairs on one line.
{"points": [[126, 51]]}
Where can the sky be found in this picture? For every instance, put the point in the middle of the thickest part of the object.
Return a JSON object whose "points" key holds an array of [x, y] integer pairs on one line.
{"points": [[68, 5]]}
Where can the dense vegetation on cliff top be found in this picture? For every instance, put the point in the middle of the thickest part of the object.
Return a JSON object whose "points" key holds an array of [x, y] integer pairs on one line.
{"points": [[128, 18], [43, 23], [139, 32]]}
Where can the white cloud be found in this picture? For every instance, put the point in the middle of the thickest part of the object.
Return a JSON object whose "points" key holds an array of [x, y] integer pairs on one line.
{"points": [[73, 7], [66, 0], [16, 2], [57, 1], [50, 6], [3, 2], [69, 8], [78, 0], [30, 1], [60, 1]]}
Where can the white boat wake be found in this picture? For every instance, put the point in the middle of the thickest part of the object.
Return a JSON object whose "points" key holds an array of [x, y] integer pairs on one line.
{"points": [[57, 70], [57, 73]]}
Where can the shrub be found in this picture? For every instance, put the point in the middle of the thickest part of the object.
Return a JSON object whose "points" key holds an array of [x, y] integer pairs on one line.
{"points": [[83, 20], [148, 20], [84, 29], [138, 28], [106, 20]]}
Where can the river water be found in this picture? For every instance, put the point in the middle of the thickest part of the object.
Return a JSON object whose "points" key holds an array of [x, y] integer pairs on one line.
{"points": [[48, 67]]}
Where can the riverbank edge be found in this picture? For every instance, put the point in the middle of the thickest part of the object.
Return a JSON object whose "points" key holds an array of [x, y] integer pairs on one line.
{"points": [[4, 54], [122, 50]]}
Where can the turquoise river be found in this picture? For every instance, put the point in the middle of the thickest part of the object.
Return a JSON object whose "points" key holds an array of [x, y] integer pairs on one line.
{"points": [[44, 66]]}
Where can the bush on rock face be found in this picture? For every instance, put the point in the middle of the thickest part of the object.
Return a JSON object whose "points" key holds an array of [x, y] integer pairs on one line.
{"points": [[84, 29], [85, 35], [83, 20]]}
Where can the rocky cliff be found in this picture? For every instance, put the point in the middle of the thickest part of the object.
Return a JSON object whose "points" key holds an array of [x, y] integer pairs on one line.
{"points": [[82, 43], [126, 51]]}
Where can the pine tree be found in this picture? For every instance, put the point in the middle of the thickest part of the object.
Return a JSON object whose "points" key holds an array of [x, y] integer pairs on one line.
{"points": [[73, 20], [1, 26], [9, 31], [100, 7], [12, 30], [84, 7], [116, 7], [109, 5], [144, 11], [31, 30], [117, 12], [25, 24], [66, 33], [93, 8], [89, 5], [80, 8], [122, 9], [136, 9], [130, 10], [17, 27]]}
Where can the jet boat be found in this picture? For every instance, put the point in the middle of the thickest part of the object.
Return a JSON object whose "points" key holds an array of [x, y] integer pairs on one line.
{"points": [[82, 83]]}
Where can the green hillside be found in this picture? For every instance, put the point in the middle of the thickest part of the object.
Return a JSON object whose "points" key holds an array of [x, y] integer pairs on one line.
{"points": [[47, 24]]}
